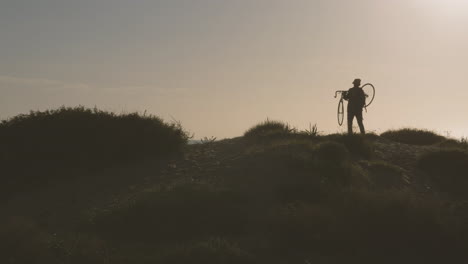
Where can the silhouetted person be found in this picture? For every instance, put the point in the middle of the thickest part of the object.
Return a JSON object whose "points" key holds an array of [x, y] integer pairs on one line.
{"points": [[356, 101]]}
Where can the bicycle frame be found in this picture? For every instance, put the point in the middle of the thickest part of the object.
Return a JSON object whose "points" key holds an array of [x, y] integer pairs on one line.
{"points": [[340, 106]]}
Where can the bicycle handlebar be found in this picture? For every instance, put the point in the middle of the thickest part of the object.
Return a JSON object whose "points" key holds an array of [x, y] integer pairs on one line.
{"points": [[339, 91]]}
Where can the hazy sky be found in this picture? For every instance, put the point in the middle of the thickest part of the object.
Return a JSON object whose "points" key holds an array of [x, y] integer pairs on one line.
{"points": [[221, 66]]}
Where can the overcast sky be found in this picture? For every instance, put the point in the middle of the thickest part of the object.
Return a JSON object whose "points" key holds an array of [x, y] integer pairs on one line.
{"points": [[221, 66]]}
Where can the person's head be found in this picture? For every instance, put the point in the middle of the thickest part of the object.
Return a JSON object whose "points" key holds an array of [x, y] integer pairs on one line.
{"points": [[357, 82]]}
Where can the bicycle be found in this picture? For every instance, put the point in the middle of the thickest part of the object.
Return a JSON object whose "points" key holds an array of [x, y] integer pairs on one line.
{"points": [[369, 92]]}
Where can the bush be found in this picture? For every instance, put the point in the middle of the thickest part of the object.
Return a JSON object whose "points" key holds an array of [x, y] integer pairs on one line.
{"points": [[448, 169], [277, 172], [331, 163], [297, 171], [185, 212], [413, 136], [387, 176], [81, 138], [22, 241], [363, 227], [358, 145], [454, 144], [214, 250], [332, 153], [268, 129]]}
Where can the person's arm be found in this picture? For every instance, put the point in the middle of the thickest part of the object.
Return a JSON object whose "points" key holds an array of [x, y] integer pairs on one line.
{"points": [[346, 95]]}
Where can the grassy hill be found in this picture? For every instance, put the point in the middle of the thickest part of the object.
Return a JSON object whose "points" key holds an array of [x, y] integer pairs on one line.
{"points": [[274, 195]]}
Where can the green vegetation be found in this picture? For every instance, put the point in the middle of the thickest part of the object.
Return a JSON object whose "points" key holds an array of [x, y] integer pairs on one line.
{"points": [[358, 145], [274, 196], [448, 168], [67, 134], [212, 250], [47, 144], [344, 225], [386, 176], [184, 212], [454, 144], [268, 129], [294, 171], [413, 136]]}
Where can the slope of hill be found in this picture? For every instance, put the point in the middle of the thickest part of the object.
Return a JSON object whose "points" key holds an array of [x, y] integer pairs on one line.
{"points": [[276, 196]]}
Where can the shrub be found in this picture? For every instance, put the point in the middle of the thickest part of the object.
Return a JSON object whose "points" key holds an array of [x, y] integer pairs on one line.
{"points": [[363, 227], [387, 176], [332, 153], [298, 171], [77, 138], [448, 168], [454, 144], [358, 145], [268, 129], [185, 212], [23, 241], [331, 163], [277, 172], [413, 136], [211, 251], [392, 221]]}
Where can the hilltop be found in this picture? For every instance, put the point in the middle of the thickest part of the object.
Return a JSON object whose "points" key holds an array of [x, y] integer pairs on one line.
{"points": [[273, 195]]}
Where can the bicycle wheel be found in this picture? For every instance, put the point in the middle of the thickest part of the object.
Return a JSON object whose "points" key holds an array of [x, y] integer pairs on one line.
{"points": [[369, 90], [340, 112]]}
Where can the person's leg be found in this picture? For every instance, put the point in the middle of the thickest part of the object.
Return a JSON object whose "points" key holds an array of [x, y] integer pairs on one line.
{"points": [[350, 122], [360, 123]]}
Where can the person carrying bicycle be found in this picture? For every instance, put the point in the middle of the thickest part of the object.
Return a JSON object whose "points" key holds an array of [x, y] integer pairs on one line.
{"points": [[356, 101]]}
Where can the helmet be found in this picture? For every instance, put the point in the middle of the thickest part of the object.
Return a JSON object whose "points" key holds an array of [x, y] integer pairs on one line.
{"points": [[357, 81]]}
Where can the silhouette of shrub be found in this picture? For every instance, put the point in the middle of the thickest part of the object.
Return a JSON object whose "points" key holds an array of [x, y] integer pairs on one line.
{"points": [[333, 163], [454, 144], [185, 212], [330, 152], [276, 172], [448, 168], [413, 136], [296, 171], [210, 251], [74, 138], [386, 176], [363, 227], [23, 241], [357, 145], [268, 129]]}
